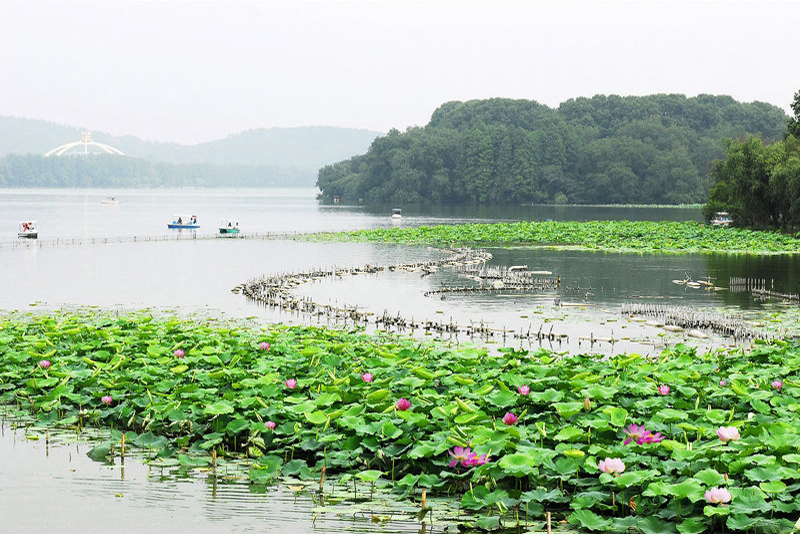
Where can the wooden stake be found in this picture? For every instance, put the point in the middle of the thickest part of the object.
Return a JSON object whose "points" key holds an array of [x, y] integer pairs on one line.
{"points": [[122, 447], [549, 525], [424, 494]]}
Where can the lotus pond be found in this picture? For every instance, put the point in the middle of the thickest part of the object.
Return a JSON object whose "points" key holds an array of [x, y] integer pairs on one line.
{"points": [[639, 236], [679, 442]]}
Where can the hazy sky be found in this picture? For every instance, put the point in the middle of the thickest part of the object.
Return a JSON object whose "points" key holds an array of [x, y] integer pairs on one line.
{"points": [[195, 71]]}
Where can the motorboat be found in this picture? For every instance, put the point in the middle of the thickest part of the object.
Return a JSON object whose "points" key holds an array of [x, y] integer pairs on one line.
{"points": [[110, 200], [229, 227], [183, 221], [28, 230], [397, 213], [722, 218]]}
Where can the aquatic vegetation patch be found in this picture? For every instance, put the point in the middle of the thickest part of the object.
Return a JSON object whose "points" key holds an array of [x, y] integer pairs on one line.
{"points": [[682, 442], [640, 236]]}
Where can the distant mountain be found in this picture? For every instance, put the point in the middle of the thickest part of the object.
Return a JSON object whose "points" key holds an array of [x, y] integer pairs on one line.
{"points": [[303, 149]]}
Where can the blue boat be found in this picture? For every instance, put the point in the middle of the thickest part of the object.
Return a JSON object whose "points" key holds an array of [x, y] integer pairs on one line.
{"points": [[180, 221]]}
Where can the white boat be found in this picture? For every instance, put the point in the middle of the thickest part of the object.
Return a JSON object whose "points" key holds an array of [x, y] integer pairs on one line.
{"points": [[229, 226], [110, 200], [722, 218], [183, 221], [28, 229], [397, 213]]}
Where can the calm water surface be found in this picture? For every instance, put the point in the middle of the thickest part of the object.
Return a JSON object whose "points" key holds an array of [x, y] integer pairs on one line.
{"points": [[55, 487], [64, 269]]}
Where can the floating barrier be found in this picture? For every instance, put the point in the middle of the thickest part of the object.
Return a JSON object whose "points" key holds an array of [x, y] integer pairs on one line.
{"points": [[190, 235], [497, 278], [696, 324], [275, 292], [760, 287]]}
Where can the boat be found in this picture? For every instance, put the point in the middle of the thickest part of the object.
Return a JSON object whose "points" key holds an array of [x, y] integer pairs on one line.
{"points": [[229, 227], [28, 230], [397, 213], [182, 221], [110, 200], [722, 218]]}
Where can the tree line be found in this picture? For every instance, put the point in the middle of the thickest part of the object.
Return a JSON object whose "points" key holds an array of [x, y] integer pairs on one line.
{"points": [[654, 149], [107, 170], [758, 182]]}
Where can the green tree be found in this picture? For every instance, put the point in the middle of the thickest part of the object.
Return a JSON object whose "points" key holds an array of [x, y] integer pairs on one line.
{"points": [[758, 184], [653, 149], [793, 126]]}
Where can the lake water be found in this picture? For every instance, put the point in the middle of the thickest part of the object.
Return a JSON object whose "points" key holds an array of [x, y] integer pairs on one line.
{"points": [[124, 257]]}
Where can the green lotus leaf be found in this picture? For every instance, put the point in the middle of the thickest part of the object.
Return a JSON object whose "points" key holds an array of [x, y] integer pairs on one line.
{"points": [[378, 396], [517, 464], [654, 525], [219, 408], [237, 425], [590, 520], [748, 501], [588, 499], [568, 409], [710, 477], [656, 488], [389, 430], [668, 415], [741, 522], [370, 475], [316, 417], [569, 433], [474, 499], [774, 486], [688, 489], [488, 523], [709, 511], [502, 399], [617, 416]]}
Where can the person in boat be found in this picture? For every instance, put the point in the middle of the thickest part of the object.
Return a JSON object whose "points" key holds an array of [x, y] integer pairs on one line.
{"points": [[180, 220], [194, 219]]}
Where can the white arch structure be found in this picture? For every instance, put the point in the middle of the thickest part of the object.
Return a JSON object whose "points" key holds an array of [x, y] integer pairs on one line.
{"points": [[85, 142]]}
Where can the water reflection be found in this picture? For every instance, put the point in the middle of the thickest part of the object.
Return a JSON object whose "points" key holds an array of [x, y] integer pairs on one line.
{"points": [[47, 485]]}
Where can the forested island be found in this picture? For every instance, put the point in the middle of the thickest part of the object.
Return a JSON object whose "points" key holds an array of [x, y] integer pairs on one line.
{"points": [[654, 149]]}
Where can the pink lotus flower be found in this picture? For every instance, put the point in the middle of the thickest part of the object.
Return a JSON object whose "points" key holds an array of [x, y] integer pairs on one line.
{"points": [[723, 383], [107, 400], [777, 384], [509, 418], [403, 404], [652, 438], [728, 433], [367, 377], [179, 353], [291, 383], [524, 390], [611, 465], [718, 495], [270, 425], [263, 345], [635, 433], [478, 460], [663, 390], [461, 455], [44, 364]]}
